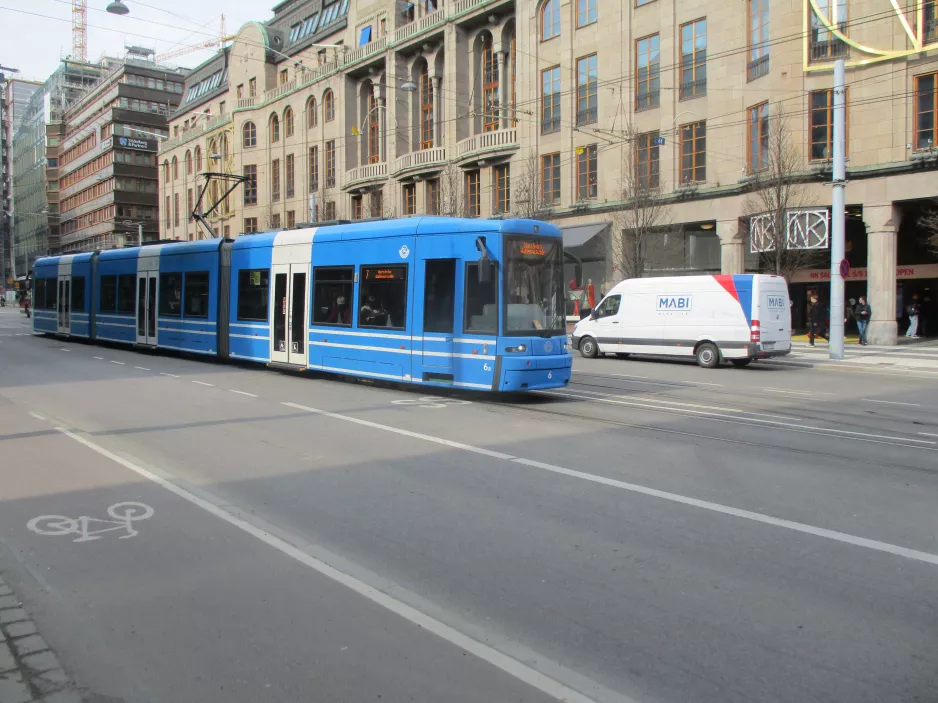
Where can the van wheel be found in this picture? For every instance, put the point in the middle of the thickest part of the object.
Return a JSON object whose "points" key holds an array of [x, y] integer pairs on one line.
{"points": [[740, 363], [622, 355], [708, 356], [588, 348]]}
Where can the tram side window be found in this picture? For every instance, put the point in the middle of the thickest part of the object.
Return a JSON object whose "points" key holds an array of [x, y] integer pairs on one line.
{"points": [[196, 295], [383, 297], [332, 295], [108, 294], [126, 293], [39, 294], [481, 302], [52, 292], [170, 294], [78, 293], [253, 289]]}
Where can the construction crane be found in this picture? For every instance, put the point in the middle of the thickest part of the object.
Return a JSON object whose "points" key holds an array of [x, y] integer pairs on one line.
{"points": [[80, 30], [213, 43]]}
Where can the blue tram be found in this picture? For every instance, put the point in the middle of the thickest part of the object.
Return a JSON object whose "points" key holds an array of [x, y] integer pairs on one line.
{"points": [[435, 301]]}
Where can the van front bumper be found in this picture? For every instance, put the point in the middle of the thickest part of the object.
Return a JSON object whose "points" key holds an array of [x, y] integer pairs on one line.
{"points": [[574, 342]]}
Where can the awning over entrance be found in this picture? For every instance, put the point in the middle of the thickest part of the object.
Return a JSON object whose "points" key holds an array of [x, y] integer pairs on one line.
{"points": [[578, 235]]}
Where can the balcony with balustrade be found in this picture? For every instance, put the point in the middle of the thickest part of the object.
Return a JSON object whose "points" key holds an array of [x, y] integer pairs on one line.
{"points": [[419, 28], [486, 145], [363, 176], [419, 162]]}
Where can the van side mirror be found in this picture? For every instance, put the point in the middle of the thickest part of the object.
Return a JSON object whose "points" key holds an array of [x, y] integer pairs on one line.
{"points": [[485, 270]]}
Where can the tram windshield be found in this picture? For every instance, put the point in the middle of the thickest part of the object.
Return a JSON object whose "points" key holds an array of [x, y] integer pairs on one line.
{"points": [[534, 287]]}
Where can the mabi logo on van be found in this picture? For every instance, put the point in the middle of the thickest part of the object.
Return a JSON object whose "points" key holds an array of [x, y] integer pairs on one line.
{"points": [[775, 302], [674, 303]]}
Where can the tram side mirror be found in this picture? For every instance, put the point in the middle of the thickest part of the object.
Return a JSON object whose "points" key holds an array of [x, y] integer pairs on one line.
{"points": [[486, 270]]}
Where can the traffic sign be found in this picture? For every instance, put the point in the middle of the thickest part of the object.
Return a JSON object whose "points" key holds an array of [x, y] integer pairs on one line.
{"points": [[844, 268]]}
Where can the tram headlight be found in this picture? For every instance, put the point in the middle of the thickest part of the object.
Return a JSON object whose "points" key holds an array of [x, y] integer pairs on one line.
{"points": [[520, 348]]}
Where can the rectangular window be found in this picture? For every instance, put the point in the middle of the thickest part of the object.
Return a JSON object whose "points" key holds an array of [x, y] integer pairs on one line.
{"points": [[824, 45], [473, 202], [930, 12], [550, 100], [291, 219], [108, 302], [252, 88], [329, 209], [332, 295], [481, 314], [313, 169], [646, 160], [78, 294], [926, 92], [585, 12], [693, 59], [275, 179], [282, 77], [586, 181], [426, 111], [822, 124], [250, 225], [587, 81], [196, 294], [275, 221], [167, 213], [491, 87], [126, 293], [253, 285], [51, 294], [189, 202], [410, 199], [433, 197], [758, 152], [758, 65], [376, 203], [39, 293], [694, 152], [550, 179], [383, 297], [170, 294], [290, 174], [175, 209], [330, 163], [502, 176], [358, 211], [648, 73], [250, 186]]}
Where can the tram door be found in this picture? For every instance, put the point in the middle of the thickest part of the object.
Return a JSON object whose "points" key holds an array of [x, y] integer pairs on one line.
{"points": [[63, 305], [146, 307], [288, 313], [439, 315]]}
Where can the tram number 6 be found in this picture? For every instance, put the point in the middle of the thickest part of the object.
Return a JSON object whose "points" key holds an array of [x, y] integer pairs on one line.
{"points": [[486, 367], [550, 374]]}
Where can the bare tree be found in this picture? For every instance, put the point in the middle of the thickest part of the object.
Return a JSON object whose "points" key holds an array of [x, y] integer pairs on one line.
{"points": [[267, 222], [528, 199], [644, 218], [928, 221], [778, 186], [452, 201]]}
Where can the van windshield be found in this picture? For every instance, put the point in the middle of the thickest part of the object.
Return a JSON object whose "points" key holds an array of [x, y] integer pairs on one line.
{"points": [[534, 303]]}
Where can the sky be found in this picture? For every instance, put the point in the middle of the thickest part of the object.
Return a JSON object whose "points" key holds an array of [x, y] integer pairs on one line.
{"points": [[36, 35]]}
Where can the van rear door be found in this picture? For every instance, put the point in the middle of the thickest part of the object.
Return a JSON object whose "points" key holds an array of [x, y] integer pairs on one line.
{"points": [[773, 313]]}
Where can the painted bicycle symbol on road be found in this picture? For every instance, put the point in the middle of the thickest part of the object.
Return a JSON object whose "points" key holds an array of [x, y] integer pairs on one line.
{"points": [[122, 515], [429, 401]]}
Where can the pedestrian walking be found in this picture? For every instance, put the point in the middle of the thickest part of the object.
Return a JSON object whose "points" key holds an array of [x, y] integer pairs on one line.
{"points": [[818, 321], [913, 311], [863, 312]]}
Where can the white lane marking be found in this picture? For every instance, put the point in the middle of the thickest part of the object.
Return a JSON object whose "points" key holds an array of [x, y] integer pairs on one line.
{"points": [[891, 402], [508, 664], [789, 427], [250, 395], [779, 390], [203, 383], [119, 363], [36, 415], [687, 405], [928, 434], [653, 383], [171, 375], [141, 368], [665, 495], [406, 433], [65, 350], [99, 358]]}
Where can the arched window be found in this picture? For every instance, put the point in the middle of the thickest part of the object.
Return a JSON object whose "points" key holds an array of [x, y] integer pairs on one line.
{"points": [[490, 86], [550, 20], [288, 122], [374, 127], [328, 106], [175, 168], [274, 129], [426, 108], [166, 171], [188, 163], [312, 119], [249, 135], [198, 159]]}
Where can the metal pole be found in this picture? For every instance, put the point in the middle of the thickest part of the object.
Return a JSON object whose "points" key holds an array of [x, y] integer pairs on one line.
{"points": [[140, 234], [838, 221]]}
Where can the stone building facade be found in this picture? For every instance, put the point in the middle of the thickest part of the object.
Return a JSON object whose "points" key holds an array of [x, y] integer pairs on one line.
{"points": [[555, 108]]}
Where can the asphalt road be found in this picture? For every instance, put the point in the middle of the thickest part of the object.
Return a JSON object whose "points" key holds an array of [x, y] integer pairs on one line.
{"points": [[654, 532]]}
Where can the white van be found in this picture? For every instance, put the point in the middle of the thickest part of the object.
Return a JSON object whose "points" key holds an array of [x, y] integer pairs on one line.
{"points": [[735, 317]]}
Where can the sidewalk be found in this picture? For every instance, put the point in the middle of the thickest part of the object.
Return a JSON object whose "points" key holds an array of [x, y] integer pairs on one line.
{"points": [[29, 671], [910, 354]]}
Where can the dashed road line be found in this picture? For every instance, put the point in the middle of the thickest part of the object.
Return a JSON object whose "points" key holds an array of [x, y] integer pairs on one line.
{"points": [[36, 415], [171, 375], [250, 395], [65, 350], [141, 368], [203, 383], [891, 402], [99, 358], [928, 434], [119, 363]]}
